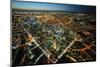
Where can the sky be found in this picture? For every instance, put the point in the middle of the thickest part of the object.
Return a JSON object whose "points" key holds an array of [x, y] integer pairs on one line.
{"points": [[53, 6]]}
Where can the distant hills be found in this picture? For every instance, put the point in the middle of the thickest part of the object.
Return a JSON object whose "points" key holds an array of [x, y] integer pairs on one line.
{"points": [[44, 10]]}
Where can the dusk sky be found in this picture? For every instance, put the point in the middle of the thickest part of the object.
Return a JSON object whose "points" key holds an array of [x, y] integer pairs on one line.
{"points": [[53, 6]]}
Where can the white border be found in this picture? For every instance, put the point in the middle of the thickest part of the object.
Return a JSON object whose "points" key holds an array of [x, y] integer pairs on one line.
{"points": [[5, 33], [84, 2]]}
